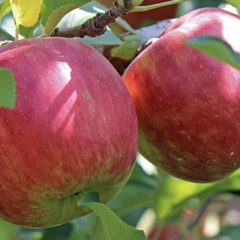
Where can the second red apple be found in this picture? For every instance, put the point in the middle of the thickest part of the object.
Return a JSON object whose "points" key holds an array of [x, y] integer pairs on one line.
{"points": [[187, 103]]}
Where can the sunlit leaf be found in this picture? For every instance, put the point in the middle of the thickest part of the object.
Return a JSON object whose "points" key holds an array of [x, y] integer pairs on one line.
{"points": [[7, 89], [5, 7], [26, 12], [216, 48], [52, 11], [173, 194]]}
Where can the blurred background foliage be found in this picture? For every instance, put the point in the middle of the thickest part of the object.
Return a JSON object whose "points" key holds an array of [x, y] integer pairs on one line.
{"points": [[164, 207]]}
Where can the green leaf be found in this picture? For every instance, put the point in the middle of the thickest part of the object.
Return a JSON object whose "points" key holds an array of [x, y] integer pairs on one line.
{"points": [[216, 48], [27, 32], [126, 50], [5, 7], [52, 11], [173, 194], [58, 233], [235, 3], [8, 231], [110, 227], [7, 89]]}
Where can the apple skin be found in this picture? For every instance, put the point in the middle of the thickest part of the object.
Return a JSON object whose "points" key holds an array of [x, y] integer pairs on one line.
{"points": [[73, 130], [187, 103]]}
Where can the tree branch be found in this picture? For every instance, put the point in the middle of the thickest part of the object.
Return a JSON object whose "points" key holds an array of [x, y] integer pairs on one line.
{"points": [[95, 26]]}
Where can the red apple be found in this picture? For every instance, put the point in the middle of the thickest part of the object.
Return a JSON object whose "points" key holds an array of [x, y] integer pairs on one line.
{"points": [[187, 103], [73, 131]]}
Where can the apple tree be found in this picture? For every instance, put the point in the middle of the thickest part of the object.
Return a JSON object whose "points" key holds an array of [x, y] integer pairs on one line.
{"points": [[118, 121]]}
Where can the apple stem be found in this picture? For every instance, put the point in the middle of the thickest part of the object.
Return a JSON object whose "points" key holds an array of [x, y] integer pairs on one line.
{"points": [[154, 6]]}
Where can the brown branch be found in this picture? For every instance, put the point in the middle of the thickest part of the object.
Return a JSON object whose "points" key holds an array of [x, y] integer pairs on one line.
{"points": [[95, 26]]}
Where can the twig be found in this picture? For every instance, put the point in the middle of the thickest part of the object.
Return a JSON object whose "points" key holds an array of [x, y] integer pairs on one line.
{"points": [[157, 5], [95, 26]]}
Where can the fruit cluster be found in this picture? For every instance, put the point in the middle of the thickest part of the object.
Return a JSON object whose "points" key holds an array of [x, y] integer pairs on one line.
{"points": [[75, 125]]}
